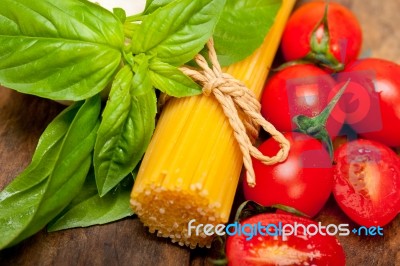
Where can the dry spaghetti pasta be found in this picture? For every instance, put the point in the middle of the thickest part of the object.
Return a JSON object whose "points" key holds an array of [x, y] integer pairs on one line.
{"points": [[192, 166]]}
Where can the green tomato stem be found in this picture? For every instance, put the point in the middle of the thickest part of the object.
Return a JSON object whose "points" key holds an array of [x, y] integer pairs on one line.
{"points": [[320, 46], [316, 126]]}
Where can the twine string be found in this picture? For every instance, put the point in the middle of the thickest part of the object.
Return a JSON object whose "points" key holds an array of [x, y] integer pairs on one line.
{"points": [[234, 96]]}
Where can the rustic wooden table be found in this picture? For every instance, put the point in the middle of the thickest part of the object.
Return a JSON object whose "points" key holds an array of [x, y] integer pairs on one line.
{"points": [[127, 242]]}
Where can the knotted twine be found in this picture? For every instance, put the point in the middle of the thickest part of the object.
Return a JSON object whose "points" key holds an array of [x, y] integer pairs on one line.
{"points": [[233, 95]]}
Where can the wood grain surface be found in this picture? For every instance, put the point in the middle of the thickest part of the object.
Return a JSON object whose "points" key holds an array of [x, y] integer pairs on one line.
{"points": [[23, 118]]}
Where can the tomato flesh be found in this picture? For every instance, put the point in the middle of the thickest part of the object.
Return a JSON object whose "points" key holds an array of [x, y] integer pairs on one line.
{"points": [[367, 182], [304, 181], [288, 250]]}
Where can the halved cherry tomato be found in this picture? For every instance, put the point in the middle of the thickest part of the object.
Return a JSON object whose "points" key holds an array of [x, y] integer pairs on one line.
{"points": [[300, 249], [302, 89], [343, 27], [304, 181], [367, 182], [375, 99]]}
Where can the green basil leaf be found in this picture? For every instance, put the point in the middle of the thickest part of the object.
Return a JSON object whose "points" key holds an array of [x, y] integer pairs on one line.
{"points": [[20, 197], [88, 208], [153, 5], [176, 32], [242, 28], [70, 53], [56, 174], [141, 82], [125, 131], [120, 14], [169, 79], [44, 157]]}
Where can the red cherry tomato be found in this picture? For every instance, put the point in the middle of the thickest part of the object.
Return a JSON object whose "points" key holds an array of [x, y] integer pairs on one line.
{"points": [[375, 99], [299, 90], [300, 249], [344, 30], [367, 182], [304, 181]]}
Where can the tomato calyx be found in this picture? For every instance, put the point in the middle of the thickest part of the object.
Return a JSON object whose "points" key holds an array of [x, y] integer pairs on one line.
{"points": [[319, 44], [250, 208], [316, 126], [219, 246]]}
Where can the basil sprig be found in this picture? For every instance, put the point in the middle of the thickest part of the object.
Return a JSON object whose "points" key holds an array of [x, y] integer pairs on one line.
{"points": [[176, 32], [241, 28], [128, 123], [70, 53], [76, 50], [56, 174]]}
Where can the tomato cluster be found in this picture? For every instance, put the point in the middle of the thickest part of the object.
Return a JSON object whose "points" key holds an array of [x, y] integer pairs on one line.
{"points": [[321, 45]]}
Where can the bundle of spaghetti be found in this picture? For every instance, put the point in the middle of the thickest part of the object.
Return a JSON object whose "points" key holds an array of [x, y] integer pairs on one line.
{"points": [[192, 166]]}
